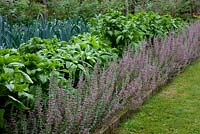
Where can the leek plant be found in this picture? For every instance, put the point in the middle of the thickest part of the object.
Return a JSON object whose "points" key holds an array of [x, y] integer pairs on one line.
{"points": [[11, 36]]}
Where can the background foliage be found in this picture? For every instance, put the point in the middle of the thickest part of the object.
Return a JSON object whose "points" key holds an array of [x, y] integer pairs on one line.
{"points": [[27, 10], [21, 10], [186, 9]]}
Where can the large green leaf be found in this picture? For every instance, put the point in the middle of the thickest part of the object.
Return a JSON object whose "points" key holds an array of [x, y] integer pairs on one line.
{"points": [[27, 95], [16, 64], [16, 103], [43, 78], [82, 69], [10, 87], [26, 76]]}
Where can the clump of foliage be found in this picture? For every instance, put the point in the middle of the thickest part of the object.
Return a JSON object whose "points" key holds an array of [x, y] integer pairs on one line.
{"points": [[80, 54], [151, 24], [12, 35], [22, 75], [119, 30], [14, 82], [115, 29]]}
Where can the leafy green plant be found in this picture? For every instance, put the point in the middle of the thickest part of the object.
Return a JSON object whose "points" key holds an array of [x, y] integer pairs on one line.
{"points": [[152, 24], [121, 30], [80, 54], [14, 82], [116, 29]]}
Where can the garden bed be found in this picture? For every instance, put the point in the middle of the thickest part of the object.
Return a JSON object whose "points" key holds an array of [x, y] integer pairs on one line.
{"points": [[79, 105]]}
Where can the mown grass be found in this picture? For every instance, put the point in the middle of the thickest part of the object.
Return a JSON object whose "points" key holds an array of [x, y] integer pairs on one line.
{"points": [[175, 110]]}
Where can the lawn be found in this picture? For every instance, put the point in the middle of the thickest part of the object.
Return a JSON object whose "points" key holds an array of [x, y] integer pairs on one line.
{"points": [[175, 110]]}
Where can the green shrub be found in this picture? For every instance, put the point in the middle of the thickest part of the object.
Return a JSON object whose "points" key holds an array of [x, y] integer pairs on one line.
{"points": [[115, 29], [152, 24]]}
